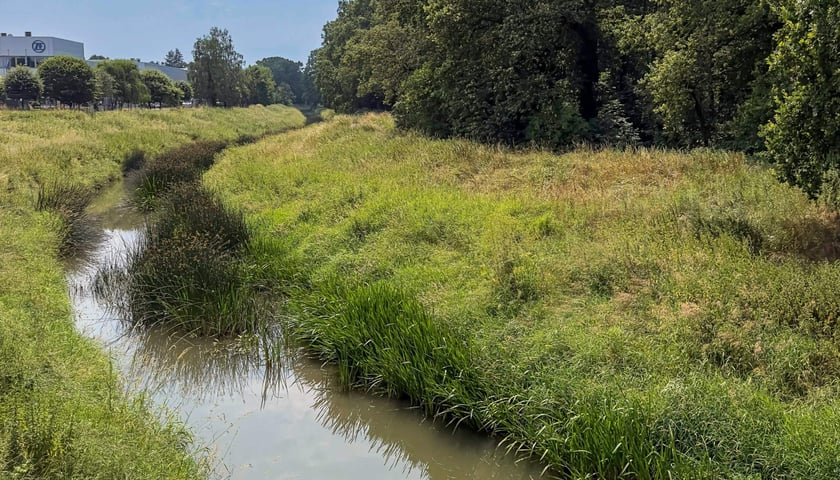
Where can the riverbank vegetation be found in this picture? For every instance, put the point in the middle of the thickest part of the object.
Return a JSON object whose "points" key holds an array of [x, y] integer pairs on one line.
{"points": [[620, 313], [63, 410], [747, 75]]}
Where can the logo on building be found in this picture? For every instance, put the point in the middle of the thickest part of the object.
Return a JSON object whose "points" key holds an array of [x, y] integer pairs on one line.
{"points": [[38, 46]]}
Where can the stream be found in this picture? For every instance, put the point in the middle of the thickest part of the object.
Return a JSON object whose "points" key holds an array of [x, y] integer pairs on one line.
{"points": [[257, 421]]}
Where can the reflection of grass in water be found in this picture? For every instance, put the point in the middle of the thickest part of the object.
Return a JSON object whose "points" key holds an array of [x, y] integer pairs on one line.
{"points": [[202, 368], [400, 434]]}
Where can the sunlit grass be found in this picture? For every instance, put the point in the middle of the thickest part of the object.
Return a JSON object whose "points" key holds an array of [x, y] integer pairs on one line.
{"points": [[63, 411], [631, 314]]}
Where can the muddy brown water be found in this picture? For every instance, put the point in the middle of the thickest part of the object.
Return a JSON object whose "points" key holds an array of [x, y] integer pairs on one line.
{"points": [[287, 421]]}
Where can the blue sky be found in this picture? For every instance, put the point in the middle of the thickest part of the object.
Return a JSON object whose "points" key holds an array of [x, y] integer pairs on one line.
{"points": [[147, 29]]}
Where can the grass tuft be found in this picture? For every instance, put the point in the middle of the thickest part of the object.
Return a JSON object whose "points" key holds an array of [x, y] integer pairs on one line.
{"points": [[77, 231]]}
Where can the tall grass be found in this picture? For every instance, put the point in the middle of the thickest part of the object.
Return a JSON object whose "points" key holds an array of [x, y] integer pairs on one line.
{"points": [[77, 231], [182, 164], [629, 314], [185, 274], [383, 340], [63, 411]]}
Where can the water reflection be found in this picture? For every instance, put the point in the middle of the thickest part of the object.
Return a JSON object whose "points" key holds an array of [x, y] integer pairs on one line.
{"points": [[274, 413]]}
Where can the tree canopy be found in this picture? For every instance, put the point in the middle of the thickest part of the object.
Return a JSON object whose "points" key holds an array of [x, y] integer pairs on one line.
{"points": [[21, 83], [128, 86], [174, 58], [161, 89], [67, 79], [260, 85], [754, 75], [216, 70], [289, 72]]}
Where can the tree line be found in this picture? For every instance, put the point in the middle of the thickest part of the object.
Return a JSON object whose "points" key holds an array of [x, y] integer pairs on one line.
{"points": [[217, 77], [760, 76]]}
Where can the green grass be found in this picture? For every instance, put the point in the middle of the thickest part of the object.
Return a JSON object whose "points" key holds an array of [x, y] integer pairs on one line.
{"points": [[63, 411], [625, 314], [186, 275]]}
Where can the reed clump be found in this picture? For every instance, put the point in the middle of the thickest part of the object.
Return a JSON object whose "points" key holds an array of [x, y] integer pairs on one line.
{"points": [[77, 231], [186, 273], [383, 340], [182, 164]]}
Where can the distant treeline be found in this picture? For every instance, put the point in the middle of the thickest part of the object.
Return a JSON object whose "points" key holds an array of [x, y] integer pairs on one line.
{"points": [[761, 76]]}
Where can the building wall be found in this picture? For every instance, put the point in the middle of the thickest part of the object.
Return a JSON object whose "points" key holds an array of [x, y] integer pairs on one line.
{"points": [[31, 51], [174, 74]]}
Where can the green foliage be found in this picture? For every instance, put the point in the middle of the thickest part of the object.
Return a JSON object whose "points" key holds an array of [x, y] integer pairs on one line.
{"points": [[216, 70], [64, 411], [283, 94], [21, 84], [174, 58], [67, 79], [128, 87], [2, 89], [185, 274], [803, 137], [178, 165], [260, 85], [708, 57], [161, 89], [383, 339], [186, 90], [289, 72], [105, 88], [77, 233]]}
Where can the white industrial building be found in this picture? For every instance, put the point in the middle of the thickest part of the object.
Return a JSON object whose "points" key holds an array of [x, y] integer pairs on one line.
{"points": [[31, 51]]}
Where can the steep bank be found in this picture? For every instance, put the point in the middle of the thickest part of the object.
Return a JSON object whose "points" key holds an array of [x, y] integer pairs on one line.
{"points": [[632, 314], [63, 412]]}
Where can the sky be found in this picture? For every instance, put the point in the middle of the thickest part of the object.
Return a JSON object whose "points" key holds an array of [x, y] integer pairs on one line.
{"points": [[147, 29]]}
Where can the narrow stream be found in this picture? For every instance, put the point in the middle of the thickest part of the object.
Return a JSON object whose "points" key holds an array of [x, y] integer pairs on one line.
{"points": [[292, 422]]}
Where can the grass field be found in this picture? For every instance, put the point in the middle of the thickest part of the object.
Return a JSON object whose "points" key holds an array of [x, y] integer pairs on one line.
{"points": [[618, 314], [63, 412]]}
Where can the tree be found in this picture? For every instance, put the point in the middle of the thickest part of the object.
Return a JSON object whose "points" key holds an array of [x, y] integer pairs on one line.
{"points": [[22, 84], [2, 90], [105, 89], [283, 94], [186, 90], [161, 89], [175, 59], [128, 87], [216, 70], [67, 79], [711, 57], [803, 137], [286, 71], [97, 57], [309, 94], [260, 85]]}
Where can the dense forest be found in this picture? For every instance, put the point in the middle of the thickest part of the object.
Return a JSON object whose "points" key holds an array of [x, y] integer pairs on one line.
{"points": [[759, 76]]}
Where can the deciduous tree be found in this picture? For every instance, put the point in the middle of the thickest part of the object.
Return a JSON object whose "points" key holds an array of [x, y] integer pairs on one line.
{"points": [[260, 85], [22, 84], [67, 79], [161, 89], [216, 70], [128, 87]]}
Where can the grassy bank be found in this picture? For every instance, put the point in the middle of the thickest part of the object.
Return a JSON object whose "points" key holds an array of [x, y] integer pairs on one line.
{"points": [[640, 314], [63, 413]]}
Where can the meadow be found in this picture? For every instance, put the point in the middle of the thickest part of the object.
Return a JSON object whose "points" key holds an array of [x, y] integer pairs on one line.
{"points": [[615, 314], [63, 410]]}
